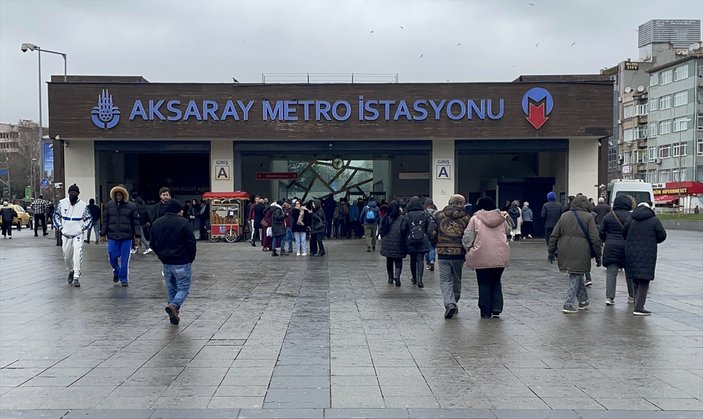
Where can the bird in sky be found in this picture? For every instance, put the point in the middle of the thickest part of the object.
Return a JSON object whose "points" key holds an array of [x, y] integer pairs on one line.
{"points": [[531, 4], [371, 31], [573, 43], [459, 44], [401, 27], [422, 55], [537, 45], [235, 80]]}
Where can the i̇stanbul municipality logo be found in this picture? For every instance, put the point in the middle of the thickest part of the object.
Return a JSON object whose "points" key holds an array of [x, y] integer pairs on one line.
{"points": [[105, 115]]}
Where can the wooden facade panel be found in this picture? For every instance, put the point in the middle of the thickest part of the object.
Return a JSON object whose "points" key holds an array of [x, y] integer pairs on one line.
{"points": [[580, 109]]}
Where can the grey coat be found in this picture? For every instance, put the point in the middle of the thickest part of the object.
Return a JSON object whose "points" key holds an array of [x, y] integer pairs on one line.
{"points": [[569, 242]]}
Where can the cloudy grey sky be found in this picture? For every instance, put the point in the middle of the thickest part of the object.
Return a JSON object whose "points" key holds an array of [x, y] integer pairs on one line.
{"points": [[213, 41]]}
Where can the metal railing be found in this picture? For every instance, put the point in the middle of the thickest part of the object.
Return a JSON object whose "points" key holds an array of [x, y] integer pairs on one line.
{"points": [[320, 78]]}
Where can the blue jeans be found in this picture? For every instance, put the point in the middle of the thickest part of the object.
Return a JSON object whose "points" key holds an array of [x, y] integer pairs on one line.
{"points": [[288, 239], [177, 279], [119, 249], [95, 227], [430, 256]]}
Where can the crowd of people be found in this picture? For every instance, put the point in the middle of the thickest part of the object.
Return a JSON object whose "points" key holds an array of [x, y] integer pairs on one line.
{"points": [[476, 235]]}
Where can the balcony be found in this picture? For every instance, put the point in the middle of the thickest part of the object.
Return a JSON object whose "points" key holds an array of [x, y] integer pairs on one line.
{"points": [[641, 143]]}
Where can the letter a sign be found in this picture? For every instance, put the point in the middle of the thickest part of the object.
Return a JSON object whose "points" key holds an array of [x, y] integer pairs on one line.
{"points": [[222, 169], [443, 169]]}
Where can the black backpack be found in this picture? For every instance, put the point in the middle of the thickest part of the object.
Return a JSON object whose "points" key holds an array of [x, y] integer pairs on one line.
{"points": [[416, 235]]}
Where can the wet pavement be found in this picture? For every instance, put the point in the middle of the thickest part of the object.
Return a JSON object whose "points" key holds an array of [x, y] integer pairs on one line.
{"points": [[327, 337]]}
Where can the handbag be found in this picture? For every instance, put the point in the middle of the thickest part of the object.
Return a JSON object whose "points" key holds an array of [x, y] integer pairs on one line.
{"points": [[269, 231], [585, 234]]}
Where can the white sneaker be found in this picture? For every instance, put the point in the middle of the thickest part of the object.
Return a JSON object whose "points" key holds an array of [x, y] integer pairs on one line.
{"points": [[297, 254], [132, 251], [147, 251], [630, 300], [304, 254], [609, 302]]}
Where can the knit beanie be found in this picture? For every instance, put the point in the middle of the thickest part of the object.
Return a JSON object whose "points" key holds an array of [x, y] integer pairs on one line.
{"points": [[74, 188], [173, 206], [551, 196]]}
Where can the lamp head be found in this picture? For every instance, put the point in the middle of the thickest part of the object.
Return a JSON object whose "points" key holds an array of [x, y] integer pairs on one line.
{"points": [[28, 47]]}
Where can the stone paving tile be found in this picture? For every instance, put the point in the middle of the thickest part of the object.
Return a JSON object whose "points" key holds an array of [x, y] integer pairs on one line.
{"points": [[194, 414], [108, 414], [283, 414], [238, 402], [626, 404], [359, 413]]}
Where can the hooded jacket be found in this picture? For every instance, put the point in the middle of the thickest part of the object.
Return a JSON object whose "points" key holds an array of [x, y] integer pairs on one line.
{"points": [[416, 215], [486, 238], [611, 231], [7, 213], [447, 230], [121, 218], [394, 233], [567, 238], [278, 218], [318, 218], [172, 240], [642, 233], [371, 206]]}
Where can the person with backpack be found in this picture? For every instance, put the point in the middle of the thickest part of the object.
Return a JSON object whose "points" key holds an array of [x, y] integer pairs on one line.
{"points": [[370, 217], [417, 242], [431, 209], [394, 230]]}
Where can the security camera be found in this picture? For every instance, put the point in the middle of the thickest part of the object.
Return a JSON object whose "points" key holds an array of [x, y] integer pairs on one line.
{"points": [[24, 48]]}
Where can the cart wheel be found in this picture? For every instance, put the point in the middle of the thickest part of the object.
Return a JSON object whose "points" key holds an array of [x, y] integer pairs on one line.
{"points": [[214, 239], [231, 236]]}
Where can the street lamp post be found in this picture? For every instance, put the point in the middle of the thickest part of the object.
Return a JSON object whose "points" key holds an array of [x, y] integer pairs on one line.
{"points": [[32, 47], [682, 121]]}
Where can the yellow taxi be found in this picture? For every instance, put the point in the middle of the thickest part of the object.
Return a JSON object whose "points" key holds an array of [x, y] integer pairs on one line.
{"points": [[23, 218]]}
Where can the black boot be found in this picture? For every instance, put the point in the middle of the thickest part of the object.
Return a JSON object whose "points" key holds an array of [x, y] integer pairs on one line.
{"points": [[419, 282], [390, 279], [397, 282]]}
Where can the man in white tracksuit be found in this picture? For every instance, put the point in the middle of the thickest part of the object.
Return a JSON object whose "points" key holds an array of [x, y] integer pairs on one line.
{"points": [[72, 218]]}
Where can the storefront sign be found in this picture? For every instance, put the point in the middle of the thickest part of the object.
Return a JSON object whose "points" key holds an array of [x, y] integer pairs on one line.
{"points": [[632, 66], [671, 191], [276, 175], [443, 169], [223, 169]]}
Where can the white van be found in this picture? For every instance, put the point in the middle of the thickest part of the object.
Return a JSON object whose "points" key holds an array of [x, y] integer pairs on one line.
{"points": [[636, 188]]}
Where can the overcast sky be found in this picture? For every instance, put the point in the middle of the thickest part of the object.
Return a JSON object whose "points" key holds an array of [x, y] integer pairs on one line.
{"points": [[213, 41]]}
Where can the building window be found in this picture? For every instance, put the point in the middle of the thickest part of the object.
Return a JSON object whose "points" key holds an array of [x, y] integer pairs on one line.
{"points": [[653, 104], [641, 132], [699, 146], [664, 151], [681, 72], [652, 129], [652, 153], [628, 134], [675, 174], [641, 110], [700, 122], [627, 158], [639, 156], [612, 158], [629, 111], [665, 127], [664, 176], [653, 79], [652, 176], [680, 124], [665, 77], [680, 149], [665, 102], [681, 98]]}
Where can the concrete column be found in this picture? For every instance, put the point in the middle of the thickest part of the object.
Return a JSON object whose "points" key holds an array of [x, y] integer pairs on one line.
{"points": [[79, 167], [221, 156], [583, 167], [442, 187]]}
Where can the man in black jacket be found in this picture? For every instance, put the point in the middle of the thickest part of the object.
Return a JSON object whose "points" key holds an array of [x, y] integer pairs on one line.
{"points": [[173, 241], [551, 212], [120, 227], [95, 215]]}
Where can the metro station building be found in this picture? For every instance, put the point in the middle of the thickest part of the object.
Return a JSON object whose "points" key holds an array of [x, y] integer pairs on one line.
{"points": [[515, 140]]}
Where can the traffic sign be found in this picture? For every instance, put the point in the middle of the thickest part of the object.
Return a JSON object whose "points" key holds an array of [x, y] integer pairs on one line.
{"points": [[44, 183], [4, 172]]}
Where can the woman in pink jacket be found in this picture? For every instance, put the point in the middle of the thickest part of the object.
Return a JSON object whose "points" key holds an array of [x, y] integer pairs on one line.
{"points": [[488, 251]]}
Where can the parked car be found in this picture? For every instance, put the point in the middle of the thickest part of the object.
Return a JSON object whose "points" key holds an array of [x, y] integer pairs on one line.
{"points": [[23, 218]]}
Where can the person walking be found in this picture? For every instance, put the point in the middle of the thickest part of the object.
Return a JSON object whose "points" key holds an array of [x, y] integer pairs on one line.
{"points": [[7, 214], [318, 228], [642, 233], [173, 241], [417, 243], [551, 211], [120, 227], [145, 222], [38, 208], [278, 227], [526, 220], [430, 256], [95, 216], [72, 218], [288, 222], [394, 231], [575, 241], [370, 217], [204, 217], [601, 210], [446, 233], [301, 218], [488, 252], [516, 216], [611, 230]]}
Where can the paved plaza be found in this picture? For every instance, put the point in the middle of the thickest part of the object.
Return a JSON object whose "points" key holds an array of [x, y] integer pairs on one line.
{"points": [[327, 337]]}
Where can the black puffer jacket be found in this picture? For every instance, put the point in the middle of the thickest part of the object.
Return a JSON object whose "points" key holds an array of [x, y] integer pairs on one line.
{"points": [[642, 233], [121, 221], [611, 231], [417, 216], [394, 230], [172, 240], [551, 211]]}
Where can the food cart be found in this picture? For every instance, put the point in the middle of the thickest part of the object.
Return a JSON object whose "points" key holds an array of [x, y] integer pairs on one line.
{"points": [[227, 217]]}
